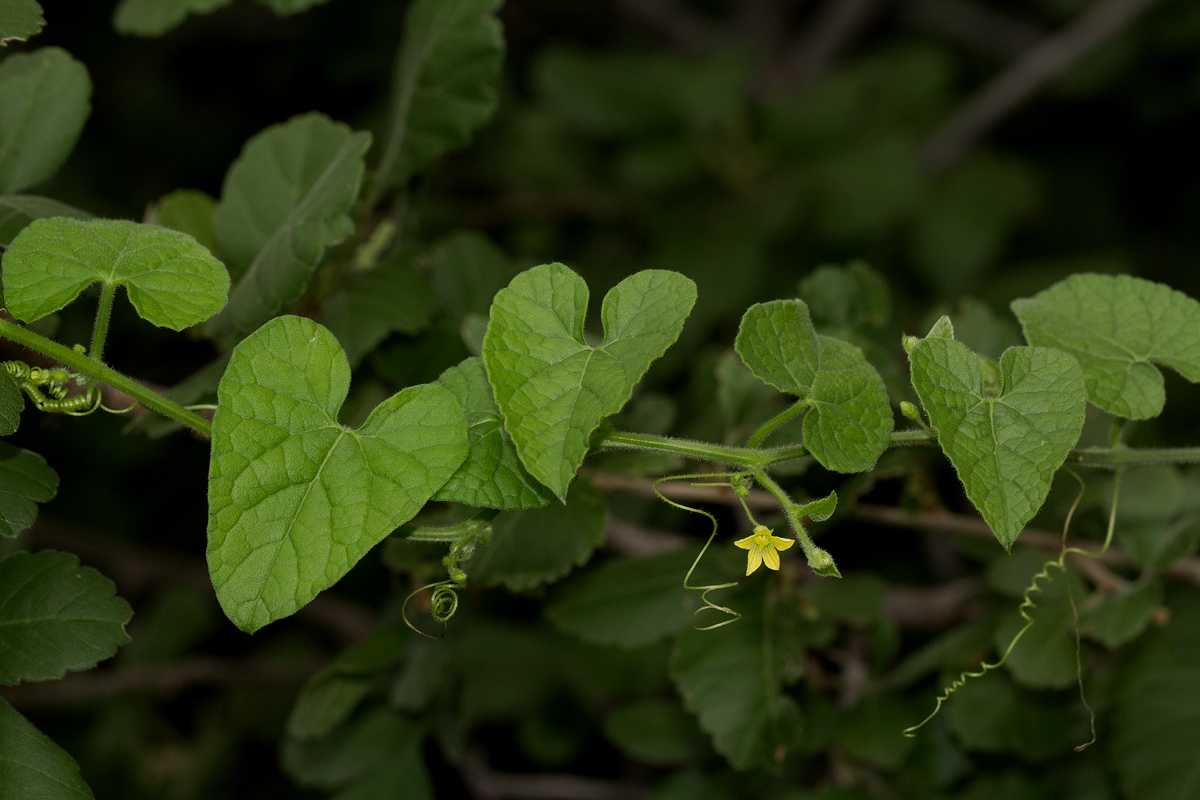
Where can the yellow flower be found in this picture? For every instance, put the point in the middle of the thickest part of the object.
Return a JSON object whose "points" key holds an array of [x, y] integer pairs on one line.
{"points": [[764, 548]]}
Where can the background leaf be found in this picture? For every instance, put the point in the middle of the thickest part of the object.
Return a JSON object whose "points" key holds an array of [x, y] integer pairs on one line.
{"points": [[541, 545], [850, 419], [18, 210], [492, 476], [551, 386], [730, 679], [1118, 328], [56, 616], [285, 199], [19, 19], [389, 297], [442, 86], [628, 603], [44, 101], [1005, 442], [187, 211], [172, 281], [156, 17], [656, 732], [296, 499], [32, 766], [25, 481]]}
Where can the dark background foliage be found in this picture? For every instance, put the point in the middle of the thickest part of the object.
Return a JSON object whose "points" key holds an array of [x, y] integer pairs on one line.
{"points": [[743, 144]]}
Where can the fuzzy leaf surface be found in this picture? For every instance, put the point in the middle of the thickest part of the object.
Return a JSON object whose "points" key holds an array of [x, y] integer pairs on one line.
{"points": [[443, 83], [552, 387], [11, 403], [33, 767], [492, 476], [1006, 441], [45, 97], [730, 679], [850, 419], [1118, 328], [25, 481], [156, 17], [20, 19], [286, 198], [55, 616], [172, 281], [391, 296], [295, 498], [540, 545], [18, 210]]}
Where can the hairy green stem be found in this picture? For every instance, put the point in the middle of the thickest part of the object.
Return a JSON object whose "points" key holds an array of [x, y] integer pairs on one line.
{"points": [[1117, 457], [96, 371], [818, 560], [103, 314], [775, 421]]}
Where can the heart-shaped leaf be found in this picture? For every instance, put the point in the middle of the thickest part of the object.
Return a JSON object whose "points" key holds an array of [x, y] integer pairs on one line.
{"points": [[25, 481], [172, 281], [850, 419], [1117, 327], [1005, 441], [18, 210], [551, 386], [295, 499]]}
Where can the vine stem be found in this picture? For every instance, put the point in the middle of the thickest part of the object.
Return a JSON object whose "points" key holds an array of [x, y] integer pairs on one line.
{"points": [[96, 371]]}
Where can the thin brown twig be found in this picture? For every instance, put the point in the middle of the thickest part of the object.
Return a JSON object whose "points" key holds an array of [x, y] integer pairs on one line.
{"points": [[835, 26], [487, 784], [980, 27], [159, 679], [1025, 76]]}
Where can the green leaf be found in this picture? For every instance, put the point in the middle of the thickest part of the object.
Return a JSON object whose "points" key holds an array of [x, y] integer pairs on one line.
{"points": [[32, 767], [172, 281], [25, 481], [1121, 617], [868, 731], [1156, 725], [156, 17], [990, 714], [330, 696], [730, 679], [286, 198], [628, 603], [389, 297], [541, 545], [44, 101], [1005, 441], [1118, 328], [466, 270], [18, 210], [442, 84], [295, 499], [656, 732], [850, 420], [20, 19], [187, 211], [1045, 656], [551, 386], [849, 298], [56, 616], [376, 757], [12, 401], [286, 8], [492, 475]]}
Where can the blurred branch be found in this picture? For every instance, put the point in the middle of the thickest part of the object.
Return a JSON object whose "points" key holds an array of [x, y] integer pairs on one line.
{"points": [[835, 26], [1025, 76], [486, 784], [674, 23], [160, 679], [974, 25]]}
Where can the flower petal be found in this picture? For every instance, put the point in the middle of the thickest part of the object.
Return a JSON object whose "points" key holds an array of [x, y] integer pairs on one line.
{"points": [[754, 559], [770, 557], [779, 543], [746, 543]]}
